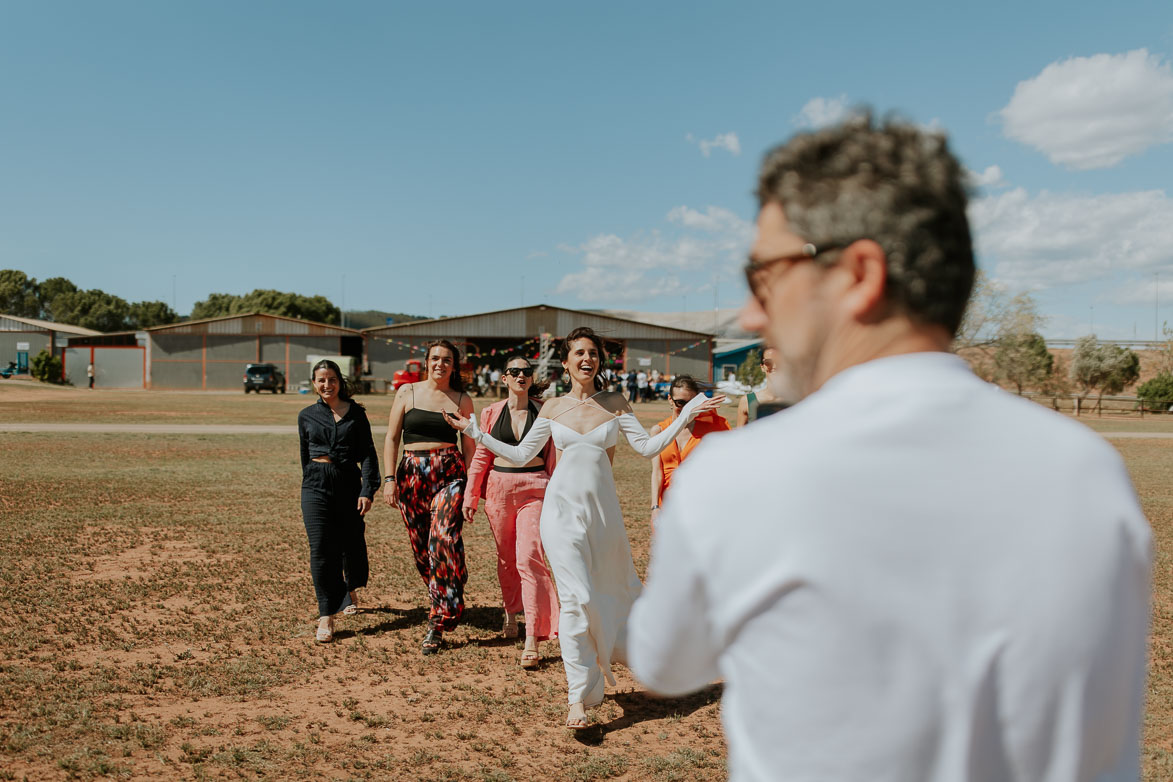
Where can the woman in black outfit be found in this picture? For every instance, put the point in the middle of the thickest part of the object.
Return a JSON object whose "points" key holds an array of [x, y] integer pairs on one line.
{"points": [[340, 474]]}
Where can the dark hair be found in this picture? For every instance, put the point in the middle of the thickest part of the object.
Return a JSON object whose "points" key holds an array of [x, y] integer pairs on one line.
{"points": [[896, 184], [585, 332], [685, 381], [455, 381], [343, 382], [537, 386]]}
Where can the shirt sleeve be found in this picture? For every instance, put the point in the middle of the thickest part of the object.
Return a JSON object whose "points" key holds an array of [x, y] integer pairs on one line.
{"points": [[670, 640], [478, 468], [303, 441], [648, 446], [521, 453], [370, 460]]}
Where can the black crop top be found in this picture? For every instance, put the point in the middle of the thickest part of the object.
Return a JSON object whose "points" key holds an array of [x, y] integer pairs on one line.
{"points": [[426, 426], [503, 429]]}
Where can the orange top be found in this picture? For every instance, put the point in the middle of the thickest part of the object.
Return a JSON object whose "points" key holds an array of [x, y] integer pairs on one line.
{"points": [[672, 456]]}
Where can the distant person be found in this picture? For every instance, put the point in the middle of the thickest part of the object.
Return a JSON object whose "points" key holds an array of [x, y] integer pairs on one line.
{"points": [[513, 502], [912, 574], [641, 383], [758, 404], [90, 373], [428, 485], [632, 386], [683, 390], [582, 523], [340, 475], [495, 382]]}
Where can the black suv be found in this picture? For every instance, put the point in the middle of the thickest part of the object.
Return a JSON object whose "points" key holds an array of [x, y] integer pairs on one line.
{"points": [[261, 376]]}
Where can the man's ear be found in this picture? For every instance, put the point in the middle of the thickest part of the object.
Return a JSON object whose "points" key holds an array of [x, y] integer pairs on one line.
{"points": [[867, 276]]}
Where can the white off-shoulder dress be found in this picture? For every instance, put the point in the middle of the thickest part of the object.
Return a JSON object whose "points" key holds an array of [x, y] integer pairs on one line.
{"points": [[585, 540]]}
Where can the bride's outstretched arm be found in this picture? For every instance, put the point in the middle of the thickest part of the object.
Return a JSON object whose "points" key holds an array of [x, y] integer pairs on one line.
{"points": [[530, 446], [648, 446]]}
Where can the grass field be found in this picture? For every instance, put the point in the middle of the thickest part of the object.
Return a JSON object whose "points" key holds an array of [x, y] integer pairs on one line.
{"points": [[160, 622]]}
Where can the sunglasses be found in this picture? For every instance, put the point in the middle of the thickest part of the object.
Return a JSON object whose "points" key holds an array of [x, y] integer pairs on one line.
{"points": [[754, 268], [519, 371], [679, 403]]}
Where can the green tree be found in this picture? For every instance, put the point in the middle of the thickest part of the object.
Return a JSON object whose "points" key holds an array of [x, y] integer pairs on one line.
{"points": [[1123, 369], [750, 372], [1157, 392], [50, 289], [92, 309], [18, 294], [144, 314], [217, 305], [291, 305], [1023, 360], [46, 367], [1106, 368]]}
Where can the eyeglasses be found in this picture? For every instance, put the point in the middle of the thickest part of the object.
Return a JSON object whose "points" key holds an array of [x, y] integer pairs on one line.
{"points": [[753, 268], [519, 371], [680, 403]]}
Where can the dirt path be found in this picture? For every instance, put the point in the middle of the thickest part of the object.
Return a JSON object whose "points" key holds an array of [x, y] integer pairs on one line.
{"points": [[75, 428], [121, 428]]}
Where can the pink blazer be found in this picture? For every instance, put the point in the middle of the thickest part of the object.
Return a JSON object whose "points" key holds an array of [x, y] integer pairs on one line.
{"points": [[482, 459]]}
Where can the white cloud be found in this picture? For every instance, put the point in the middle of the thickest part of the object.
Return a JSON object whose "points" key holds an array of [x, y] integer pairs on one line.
{"points": [[1092, 112], [675, 260], [820, 112], [727, 141], [1140, 291], [990, 177], [1059, 238]]}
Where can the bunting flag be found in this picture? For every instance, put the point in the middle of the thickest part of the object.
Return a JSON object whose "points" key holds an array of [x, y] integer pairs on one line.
{"points": [[472, 351], [687, 348]]}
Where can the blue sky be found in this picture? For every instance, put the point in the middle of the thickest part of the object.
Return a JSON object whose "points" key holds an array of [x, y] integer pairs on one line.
{"points": [[462, 157]]}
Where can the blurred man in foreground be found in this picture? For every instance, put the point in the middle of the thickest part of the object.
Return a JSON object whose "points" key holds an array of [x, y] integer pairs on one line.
{"points": [[910, 574]]}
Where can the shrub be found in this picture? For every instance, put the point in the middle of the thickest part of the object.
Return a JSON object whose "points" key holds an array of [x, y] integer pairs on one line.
{"points": [[1157, 393], [46, 367]]}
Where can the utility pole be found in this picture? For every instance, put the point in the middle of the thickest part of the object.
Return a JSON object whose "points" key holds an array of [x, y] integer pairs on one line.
{"points": [[1156, 301], [343, 308]]}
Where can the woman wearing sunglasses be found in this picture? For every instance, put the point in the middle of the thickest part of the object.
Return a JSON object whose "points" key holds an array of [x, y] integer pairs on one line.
{"points": [[682, 391], [513, 502]]}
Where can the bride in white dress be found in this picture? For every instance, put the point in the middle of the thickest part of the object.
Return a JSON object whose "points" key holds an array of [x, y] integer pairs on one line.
{"points": [[581, 525]]}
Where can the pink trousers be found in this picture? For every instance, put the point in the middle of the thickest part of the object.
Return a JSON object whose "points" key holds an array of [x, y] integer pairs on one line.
{"points": [[513, 503]]}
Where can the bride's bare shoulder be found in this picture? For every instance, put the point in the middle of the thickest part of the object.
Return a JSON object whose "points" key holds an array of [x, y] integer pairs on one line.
{"points": [[552, 407]]}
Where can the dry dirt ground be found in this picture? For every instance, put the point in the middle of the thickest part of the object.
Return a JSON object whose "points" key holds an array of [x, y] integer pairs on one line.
{"points": [[161, 621]]}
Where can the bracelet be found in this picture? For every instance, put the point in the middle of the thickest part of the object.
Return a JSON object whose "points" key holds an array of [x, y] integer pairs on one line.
{"points": [[389, 479]]}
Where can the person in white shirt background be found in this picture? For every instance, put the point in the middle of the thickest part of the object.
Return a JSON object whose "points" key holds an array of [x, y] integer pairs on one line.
{"points": [[943, 581]]}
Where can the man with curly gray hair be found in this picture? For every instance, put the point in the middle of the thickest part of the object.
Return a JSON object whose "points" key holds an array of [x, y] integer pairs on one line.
{"points": [[943, 581]]}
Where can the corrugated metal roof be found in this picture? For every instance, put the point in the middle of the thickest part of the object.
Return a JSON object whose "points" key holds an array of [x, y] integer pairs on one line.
{"points": [[727, 346], [531, 321], [17, 323], [253, 323]]}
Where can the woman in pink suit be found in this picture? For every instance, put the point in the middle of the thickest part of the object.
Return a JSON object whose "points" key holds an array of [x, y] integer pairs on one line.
{"points": [[513, 502]]}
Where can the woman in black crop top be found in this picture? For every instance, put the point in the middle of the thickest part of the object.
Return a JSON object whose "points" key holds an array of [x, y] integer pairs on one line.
{"points": [[339, 478], [428, 485], [513, 502]]}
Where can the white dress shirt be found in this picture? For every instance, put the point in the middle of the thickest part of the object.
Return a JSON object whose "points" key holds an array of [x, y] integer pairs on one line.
{"points": [[910, 575]]}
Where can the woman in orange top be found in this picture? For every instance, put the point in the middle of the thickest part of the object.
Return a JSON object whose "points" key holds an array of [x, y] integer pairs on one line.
{"points": [[683, 389]]}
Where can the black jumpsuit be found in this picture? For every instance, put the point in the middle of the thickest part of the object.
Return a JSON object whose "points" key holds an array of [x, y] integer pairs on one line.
{"points": [[329, 499]]}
